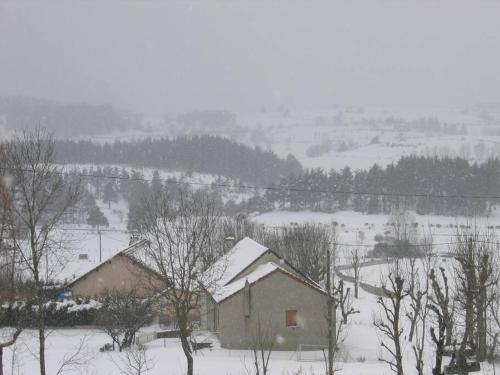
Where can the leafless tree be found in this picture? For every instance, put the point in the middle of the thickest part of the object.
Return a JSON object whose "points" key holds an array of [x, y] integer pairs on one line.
{"points": [[122, 315], [135, 362], [494, 326], [8, 264], [418, 272], [305, 246], [416, 294], [355, 261], [8, 259], [78, 358], [439, 304], [475, 277], [179, 234], [344, 301], [262, 345], [390, 324], [331, 305], [403, 229], [9, 342], [41, 197]]}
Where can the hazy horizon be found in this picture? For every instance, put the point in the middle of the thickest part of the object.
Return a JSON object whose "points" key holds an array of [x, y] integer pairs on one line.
{"points": [[156, 57]]}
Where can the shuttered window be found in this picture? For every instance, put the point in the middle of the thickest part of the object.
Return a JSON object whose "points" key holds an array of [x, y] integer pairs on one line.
{"points": [[291, 318]]}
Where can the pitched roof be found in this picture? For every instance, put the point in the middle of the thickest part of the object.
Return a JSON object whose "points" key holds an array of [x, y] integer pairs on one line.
{"points": [[261, 272], [128, 251], [242, 255], [245, 253]]}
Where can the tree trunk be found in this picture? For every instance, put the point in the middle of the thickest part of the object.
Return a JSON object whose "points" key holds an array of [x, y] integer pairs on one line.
{"points": [[331, 315], [356, 282], [397, 340], [481, 324], [41, 324], [185, 333], [187, 352], [1, 360]]}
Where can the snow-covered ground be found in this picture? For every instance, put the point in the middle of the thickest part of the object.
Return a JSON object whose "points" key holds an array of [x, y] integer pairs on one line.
{"points": [[359, 353]]}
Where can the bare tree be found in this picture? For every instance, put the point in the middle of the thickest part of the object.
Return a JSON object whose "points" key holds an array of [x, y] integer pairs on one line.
{"points": [[331, 306], [390, 324], [179, 234], [418, 273], [355, 261], [305, 246], [8, 260], [135, 362], [9, 342], [262, 344], [8, 264], [439, 304], [41, 197], [475, 276], [122, 315], [76, 359], [416, 294], [344, 298], [494, 326], [403, 229]]}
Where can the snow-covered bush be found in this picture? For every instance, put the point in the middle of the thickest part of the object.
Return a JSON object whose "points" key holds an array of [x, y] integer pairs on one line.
{"points": [[57, 314]]}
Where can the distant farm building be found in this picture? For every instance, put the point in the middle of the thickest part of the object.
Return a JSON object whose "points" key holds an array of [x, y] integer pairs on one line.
{"points": [[122, 273]]}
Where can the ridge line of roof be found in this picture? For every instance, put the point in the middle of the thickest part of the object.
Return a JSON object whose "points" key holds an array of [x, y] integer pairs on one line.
{"points": [[123, 252], [277, 268]]}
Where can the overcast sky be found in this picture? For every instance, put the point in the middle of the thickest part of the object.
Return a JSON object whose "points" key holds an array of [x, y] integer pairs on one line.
{"points": [[158, 56]]}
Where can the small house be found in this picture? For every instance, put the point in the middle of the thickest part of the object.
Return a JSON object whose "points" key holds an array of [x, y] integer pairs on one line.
{"points": [[260, 296], [123, 273]]}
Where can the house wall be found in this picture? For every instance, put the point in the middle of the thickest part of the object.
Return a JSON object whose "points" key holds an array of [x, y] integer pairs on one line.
{"points": [[207, 312], [120, 273], [270, 298]]}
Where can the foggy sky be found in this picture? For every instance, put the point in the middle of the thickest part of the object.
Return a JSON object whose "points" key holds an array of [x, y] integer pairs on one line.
{"points": [[160, 56]]}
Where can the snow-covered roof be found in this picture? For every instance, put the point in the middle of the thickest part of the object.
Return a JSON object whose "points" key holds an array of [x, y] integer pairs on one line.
{"points": [[237, 285], [243, 254], [131, 251], [259, 273]]}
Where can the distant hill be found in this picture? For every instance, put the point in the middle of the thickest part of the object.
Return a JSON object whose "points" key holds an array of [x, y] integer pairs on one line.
{"points": [[203, 154], [19, 113]]}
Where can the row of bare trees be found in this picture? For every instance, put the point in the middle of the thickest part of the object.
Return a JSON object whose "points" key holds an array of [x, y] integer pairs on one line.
{"points": [[455, 308]]}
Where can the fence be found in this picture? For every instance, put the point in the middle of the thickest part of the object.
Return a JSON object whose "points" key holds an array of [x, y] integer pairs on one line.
{"points": [[144, 338]]}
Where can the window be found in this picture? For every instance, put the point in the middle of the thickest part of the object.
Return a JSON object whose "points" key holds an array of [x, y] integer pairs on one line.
{"points": [[291, 318]]}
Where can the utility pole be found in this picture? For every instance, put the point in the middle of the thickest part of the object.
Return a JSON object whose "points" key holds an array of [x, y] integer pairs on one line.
{"points": [[331, 312]]}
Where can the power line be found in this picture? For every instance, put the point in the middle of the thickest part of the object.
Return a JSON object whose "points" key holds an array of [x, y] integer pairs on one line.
{"points": [[272, 188], [331, 243], [430, 244]]}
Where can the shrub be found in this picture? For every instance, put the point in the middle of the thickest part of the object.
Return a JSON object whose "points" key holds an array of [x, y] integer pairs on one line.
{"points": [[57, 314], [393, 248]]}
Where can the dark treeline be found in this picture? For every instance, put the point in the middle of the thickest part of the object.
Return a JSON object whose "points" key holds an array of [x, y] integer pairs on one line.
{"points": [[205, 154], [410, 175]]}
